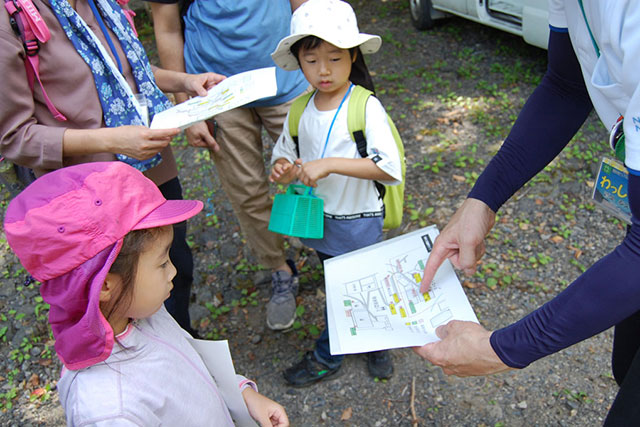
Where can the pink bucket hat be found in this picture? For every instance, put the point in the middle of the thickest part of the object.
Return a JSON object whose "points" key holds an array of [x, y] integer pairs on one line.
{"points": [[331, 20], [67, 229]]}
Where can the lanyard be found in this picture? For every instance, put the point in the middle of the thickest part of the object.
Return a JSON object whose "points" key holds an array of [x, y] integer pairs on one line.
{"points": [[334, 120], [103, 27], [593, 40]]}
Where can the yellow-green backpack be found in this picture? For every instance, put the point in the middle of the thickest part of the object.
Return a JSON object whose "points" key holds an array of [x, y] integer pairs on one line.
{"points": [[393, 195]]}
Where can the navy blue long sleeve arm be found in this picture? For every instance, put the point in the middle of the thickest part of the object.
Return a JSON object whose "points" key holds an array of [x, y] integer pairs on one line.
{"points": [[551, 116], [609, 291], [601, 297]]}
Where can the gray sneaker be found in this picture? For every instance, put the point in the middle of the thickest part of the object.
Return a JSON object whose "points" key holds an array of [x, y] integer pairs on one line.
{"points": [[281, 308]]}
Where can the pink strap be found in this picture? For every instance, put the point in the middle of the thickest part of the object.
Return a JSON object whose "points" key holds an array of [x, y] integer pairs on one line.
{"points": [[34, 22], [129, 14], [32, 66], [34, 30]]}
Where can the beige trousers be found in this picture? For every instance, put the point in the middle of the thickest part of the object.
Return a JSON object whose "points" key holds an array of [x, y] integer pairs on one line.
{"points": [[241, 168]]}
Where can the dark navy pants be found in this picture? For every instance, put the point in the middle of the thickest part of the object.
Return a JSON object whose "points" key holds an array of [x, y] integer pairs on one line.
{"points": [[180, 253]]}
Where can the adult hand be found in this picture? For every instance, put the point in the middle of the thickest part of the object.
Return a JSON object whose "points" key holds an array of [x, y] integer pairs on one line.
{"points": [[199, 84], [264, 410], [311, 172], [464, 351], [198, 135], [462, 240], [138, 142]]}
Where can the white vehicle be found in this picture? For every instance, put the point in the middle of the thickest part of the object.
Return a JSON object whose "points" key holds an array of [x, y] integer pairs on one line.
{"points": [[525, 18]]}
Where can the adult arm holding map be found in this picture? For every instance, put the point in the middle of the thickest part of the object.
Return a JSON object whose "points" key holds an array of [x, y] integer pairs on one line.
{"points": [[170, 41], [608, 293], [171, 44], [138, 142]]}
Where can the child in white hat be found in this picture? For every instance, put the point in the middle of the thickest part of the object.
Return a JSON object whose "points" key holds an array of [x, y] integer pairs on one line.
{"points": [[326, 44]]}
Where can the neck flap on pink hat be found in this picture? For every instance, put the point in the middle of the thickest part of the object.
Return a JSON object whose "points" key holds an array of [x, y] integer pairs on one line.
{"points": [[67, 228], [83, 335]]}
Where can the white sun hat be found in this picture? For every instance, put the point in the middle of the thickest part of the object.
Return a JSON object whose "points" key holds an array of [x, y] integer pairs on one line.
{"points": [[331, 20]]}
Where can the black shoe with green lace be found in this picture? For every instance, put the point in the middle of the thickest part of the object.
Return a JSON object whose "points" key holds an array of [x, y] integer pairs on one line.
{"points": [[308, 371], [380, 364]]}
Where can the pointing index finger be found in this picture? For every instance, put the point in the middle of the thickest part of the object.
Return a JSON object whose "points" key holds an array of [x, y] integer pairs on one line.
{"points": [[438, 254]]}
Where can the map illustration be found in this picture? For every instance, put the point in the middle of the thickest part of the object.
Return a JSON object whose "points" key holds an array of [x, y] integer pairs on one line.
{"points": [[374, 300], [230, 93]]}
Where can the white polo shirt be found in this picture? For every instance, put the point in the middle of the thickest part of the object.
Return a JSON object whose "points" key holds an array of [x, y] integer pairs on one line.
{"points": [[613, 79]]}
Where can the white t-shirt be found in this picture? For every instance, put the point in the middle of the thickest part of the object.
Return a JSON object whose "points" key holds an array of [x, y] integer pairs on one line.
{"points": [[613, 79], [153, 378], [343, 195]]}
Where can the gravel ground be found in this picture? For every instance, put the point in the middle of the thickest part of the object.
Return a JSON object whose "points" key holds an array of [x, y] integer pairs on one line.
{"points": [[453, 92]]}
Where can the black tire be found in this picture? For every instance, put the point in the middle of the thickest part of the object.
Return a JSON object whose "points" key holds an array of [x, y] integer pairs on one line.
{"points": [[420, 11]]}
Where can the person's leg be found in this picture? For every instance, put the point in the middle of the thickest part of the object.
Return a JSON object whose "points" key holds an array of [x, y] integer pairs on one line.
{"points": [[241, 169], [180, 253], [625, 410], [322, 350], [379, 363], [626, 342], [318, 364]]}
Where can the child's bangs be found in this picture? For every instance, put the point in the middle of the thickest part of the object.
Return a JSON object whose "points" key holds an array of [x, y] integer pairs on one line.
{"points": [[306, 43]]}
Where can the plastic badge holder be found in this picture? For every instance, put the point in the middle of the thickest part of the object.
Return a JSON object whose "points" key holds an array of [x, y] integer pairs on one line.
{"points": [[298, 213]]}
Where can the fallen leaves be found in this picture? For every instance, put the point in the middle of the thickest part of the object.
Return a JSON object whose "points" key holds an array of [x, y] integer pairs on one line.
{"points": [[34, 380], [346, 414], [468, 284], [577, 253], [557, 239]]}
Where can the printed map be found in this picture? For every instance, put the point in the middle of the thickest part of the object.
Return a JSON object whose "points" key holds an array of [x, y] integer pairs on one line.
{"points": [[374, 300]]}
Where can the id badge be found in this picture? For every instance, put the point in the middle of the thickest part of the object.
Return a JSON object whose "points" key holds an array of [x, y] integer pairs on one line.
{"points": [[610, 189]]}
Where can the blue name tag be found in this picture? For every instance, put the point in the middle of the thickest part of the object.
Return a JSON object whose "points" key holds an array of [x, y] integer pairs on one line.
{"points": [[610, 189]]}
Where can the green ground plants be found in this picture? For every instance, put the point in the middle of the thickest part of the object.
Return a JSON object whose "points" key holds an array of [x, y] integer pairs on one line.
{"points": [[304, 330]]}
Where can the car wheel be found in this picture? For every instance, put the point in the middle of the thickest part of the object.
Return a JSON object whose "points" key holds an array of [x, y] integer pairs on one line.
{"points": [[421, 14]]}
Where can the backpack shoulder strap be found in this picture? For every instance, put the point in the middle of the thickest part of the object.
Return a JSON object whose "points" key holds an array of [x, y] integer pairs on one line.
{"points": [[356, 123], [29, 26], [295, 112], [356, 114]]}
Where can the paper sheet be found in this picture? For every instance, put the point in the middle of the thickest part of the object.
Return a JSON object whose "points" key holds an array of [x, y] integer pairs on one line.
{"points": [[217, 358], [230, 93], [374, 300]]}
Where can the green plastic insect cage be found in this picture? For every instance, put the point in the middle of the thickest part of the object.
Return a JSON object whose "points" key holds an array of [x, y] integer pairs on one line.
{"points": [[298, 213]]}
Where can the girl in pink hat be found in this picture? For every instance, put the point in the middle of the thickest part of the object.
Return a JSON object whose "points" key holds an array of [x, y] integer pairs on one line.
{"points": [[97, 236], [326, 44]]}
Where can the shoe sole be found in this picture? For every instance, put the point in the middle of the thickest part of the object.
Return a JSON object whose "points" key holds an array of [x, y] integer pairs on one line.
{"points": [[280, 327]]}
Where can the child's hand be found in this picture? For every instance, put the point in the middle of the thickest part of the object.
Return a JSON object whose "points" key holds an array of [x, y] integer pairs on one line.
{"points": [[265, 411], [314, 170], [283, 172]]}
